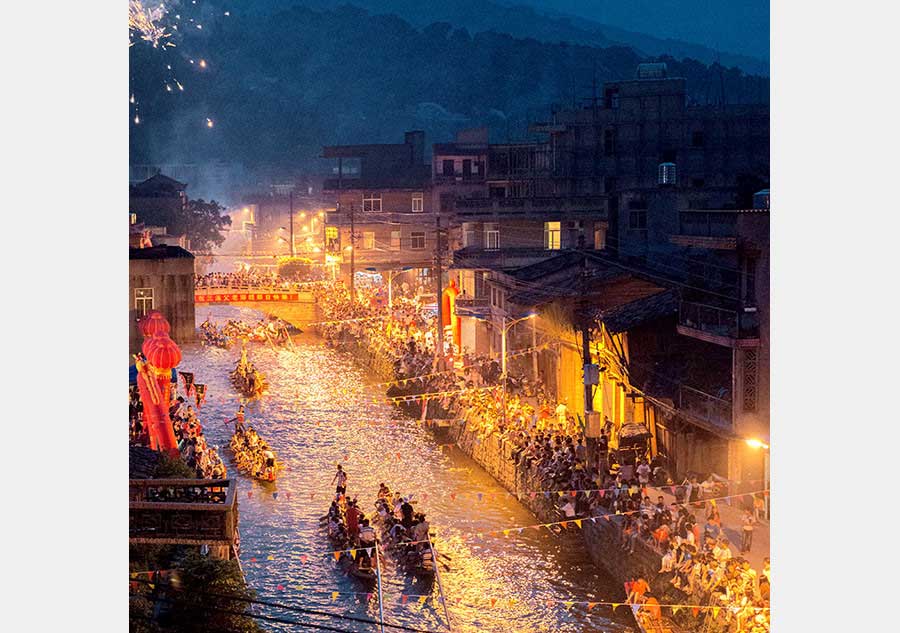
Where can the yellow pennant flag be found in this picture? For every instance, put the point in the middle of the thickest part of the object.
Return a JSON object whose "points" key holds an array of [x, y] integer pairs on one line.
{"points": [[512, 601], [505, 532], [270, 557], [334, 595], [675, 610], [297, 587], [715, 612], [614, 605], [422, 599], [568, 604], [353, 554], [578, 522]]}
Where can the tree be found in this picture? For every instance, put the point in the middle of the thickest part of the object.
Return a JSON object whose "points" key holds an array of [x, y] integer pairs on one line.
{"points": [[194, 610], [203, 223]]}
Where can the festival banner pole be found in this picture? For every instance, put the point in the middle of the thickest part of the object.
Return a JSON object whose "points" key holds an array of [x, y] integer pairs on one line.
{"points": [[437, 575], [378, 576]]}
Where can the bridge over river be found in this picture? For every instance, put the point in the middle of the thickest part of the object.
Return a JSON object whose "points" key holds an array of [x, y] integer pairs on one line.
{"points": [[293, 303]]}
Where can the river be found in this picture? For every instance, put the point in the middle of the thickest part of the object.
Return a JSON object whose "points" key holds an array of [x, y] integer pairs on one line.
{"points": [[322, 409]]}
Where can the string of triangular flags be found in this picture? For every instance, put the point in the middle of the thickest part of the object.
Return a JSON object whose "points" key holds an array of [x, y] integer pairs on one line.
{"points": [[548, 494], [482, 600], [430, 395], [304, 557], [506, 532], [368, 318], [401, 381]]}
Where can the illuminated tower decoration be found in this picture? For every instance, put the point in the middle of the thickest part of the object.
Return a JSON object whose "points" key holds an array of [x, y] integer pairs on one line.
{"points": [[162, 355], [448, 310]]}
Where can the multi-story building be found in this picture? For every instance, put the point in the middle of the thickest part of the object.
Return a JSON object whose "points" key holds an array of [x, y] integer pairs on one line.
{"points": [[161, 278], [384, 218]]}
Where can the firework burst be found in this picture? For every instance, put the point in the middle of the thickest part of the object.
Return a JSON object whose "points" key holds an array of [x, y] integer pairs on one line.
{"points": [[145, 24]]}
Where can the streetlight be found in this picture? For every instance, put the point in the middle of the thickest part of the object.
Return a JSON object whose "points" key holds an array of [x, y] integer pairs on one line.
{"points": [[758, 444], [504, 329], [391, 276]]}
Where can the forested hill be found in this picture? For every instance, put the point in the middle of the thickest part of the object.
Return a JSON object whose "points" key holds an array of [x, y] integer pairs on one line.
{"points": [[278, 87], [541, 22]]}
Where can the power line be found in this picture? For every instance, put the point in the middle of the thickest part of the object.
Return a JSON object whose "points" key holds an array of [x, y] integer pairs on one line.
{"points": [[282, 606]]}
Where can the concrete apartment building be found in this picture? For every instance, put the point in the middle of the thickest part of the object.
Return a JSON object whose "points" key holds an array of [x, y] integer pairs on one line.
{"points": [[382, 194], [161, 278]]}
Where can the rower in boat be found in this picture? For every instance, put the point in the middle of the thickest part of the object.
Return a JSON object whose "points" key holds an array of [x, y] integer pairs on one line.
{"points": [[253, 455], [406, 532]]}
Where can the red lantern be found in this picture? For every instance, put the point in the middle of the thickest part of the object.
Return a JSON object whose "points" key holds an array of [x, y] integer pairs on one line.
{"points": [[154, 324], [161, 352]]}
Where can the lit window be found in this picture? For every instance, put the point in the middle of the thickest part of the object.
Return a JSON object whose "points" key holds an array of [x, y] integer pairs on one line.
{"points": [[600, 238], [417, 203], [372, 202], [143, 300], [551, 236], [417, 240], [395, 240], [368, 240], [492, 236]]}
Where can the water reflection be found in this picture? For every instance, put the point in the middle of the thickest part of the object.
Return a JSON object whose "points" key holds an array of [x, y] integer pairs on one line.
{"points": [[320, 412]]}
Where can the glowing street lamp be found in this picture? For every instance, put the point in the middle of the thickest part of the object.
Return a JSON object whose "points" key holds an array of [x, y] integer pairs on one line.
{"points": [[758, 444], [391, 275], [504, 329]]}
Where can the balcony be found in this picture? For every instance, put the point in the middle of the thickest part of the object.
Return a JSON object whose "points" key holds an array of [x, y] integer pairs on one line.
{"points": [[719, 326], [478, 258], [712, 412], [183, 512], [712, 229], [472, 208]]}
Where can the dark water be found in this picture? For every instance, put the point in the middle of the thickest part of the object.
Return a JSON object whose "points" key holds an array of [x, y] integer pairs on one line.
{"points": [[321, 411]]}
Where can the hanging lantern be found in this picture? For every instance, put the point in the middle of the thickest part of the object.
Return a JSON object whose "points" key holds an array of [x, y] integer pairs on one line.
{"points": [[154, 324], [161, 352]]}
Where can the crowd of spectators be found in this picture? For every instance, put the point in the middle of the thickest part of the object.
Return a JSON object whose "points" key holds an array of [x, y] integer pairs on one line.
{"points": [[251, 279], [197, 454]]}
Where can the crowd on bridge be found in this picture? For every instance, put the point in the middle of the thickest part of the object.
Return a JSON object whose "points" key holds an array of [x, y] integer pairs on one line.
{"points": [[251, 280]]}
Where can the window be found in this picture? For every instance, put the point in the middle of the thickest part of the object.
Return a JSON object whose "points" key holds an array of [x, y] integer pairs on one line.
{"points": [[368, 240], [551, 236], [611, 98], [132, 218], [448, 168], [143, 300], [497, 192], [467, 168], [750, 282], [332, 242], [468, 234], [697, 139], [698, 183], [417, 240], [417, 203], [609, 142], [372, 202], [395, 240], [637, 220], [492, 236], [600, 238]]}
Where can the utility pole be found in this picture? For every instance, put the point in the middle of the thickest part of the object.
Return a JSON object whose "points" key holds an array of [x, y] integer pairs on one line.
{"points": [[585, 341], [291, 199], [352, 253], [439, 270]]}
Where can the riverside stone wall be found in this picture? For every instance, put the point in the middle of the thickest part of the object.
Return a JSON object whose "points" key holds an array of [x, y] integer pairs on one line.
{"points": [[602, 537]]}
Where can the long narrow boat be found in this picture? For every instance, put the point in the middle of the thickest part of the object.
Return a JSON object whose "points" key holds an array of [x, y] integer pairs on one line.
{"points": [[410, 544], [254, 459], [357, 561]]}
